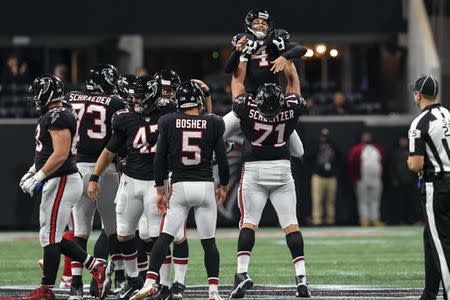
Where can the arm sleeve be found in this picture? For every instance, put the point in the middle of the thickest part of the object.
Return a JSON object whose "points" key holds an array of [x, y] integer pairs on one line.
{"points": [[221, 157], [160, 163], [60, 119], [294, 51], [232, 62], [239, 105], [416, 135]]}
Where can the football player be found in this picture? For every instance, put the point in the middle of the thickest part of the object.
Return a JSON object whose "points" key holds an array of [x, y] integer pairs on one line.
{"points": [[135, 128], [185, 146], [94, 109], [55, 173], [267, 120], [250, 62]]}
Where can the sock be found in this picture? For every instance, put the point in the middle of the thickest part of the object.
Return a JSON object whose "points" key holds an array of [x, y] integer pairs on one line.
{"points": [[180, 261], [51, 264], [116, 257], [213, 284], [294, 241], [76, 265], [212, 259], [246, 242], [67, 261], [164, 272], [101, 247], [159, 252], [149, 245], [142, 259], [129, 254]]}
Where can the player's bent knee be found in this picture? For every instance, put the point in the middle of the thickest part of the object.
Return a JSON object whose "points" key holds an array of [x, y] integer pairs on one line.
{"points": [[82, 236], [291, 228], [294, 240], [180, 241], [249, 226]]}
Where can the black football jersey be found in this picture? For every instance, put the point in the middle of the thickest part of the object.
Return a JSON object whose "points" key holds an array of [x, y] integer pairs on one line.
{"points": [[94, 113], [189, 142], [259, 63], [57, 118], [267, 139], [138, 133]]}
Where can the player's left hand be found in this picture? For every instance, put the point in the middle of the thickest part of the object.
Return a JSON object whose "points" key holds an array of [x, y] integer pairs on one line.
{"points": [[221, 194], [278, 64], [162, 203], [201, 84], [34, 184]]}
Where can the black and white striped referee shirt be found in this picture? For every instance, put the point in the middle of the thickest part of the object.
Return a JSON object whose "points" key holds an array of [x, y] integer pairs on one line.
{"points": [[429, 135]]}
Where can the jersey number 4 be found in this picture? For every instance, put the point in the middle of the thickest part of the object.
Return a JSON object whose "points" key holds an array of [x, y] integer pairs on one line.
{"points": [[187, 147], [99, 132], [267, 129]]}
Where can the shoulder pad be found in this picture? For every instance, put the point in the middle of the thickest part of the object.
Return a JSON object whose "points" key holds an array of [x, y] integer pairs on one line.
{"points": [[243, 98], [281, 33]]}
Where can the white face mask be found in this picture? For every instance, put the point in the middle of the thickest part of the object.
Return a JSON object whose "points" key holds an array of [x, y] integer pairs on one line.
{"points": [[259, 35]]}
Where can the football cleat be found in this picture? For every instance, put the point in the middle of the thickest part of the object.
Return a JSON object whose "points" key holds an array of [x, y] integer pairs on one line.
{"points": [[41, 293], [131, 289], [214, 296], [242, 282], [163, 293], [146, 292], [98, 275], [106, 289], [177, 291], [118, 285], [76, 293], [302, 287]]}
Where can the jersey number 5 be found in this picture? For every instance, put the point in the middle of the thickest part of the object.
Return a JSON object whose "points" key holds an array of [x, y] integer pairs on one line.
{"points": [[194, 150]]}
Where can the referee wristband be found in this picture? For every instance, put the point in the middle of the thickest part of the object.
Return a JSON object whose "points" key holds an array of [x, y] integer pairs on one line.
{"points": [[94, 178], [207, 93]]}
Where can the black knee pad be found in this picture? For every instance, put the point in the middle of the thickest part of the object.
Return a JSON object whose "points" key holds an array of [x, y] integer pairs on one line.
{"points": [[246, 239], [294, 241]]}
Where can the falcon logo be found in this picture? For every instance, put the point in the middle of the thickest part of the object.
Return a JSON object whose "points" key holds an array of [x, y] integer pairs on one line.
{"points": [[108, 74], [45, 84], [54, 117], [152, 86]]}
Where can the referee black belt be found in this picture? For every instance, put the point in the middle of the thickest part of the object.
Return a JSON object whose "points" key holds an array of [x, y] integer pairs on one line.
{"points": [[438, 176]]}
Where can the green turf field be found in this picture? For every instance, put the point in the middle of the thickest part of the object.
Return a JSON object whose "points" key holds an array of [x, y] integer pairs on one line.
{"points": [[391, 256]]}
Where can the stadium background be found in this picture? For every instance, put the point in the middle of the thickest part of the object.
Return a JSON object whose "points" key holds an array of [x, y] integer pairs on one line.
{"points": [[382, 46]]}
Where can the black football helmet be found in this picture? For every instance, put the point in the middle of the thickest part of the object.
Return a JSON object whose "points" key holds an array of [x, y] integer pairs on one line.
{"points": [[103, 78], [188, 95], [269, 100], [45, 90], [258, 14], [123, 84], [146, 93], [169, 81]]}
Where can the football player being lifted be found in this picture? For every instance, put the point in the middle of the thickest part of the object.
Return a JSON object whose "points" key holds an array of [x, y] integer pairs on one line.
{"points": [[267, 120], [55, 173], [259, 55], [136, 129], [186, 144], [94, 109]]}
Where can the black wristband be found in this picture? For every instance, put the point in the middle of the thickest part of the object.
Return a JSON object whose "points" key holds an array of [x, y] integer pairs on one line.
{"points": [[207, 93], [94, 178]]}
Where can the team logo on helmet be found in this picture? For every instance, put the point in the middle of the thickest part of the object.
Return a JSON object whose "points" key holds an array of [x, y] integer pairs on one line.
{"points": [[109, 76]]}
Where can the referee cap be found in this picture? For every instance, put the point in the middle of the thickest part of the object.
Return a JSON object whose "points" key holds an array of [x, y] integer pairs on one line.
{"points": [[426, 85]]}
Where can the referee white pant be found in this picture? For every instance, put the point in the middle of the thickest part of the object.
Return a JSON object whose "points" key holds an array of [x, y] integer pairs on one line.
{"points": [[437, 207]]}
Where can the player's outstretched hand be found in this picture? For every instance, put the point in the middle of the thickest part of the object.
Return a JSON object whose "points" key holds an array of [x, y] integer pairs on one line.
{"points": [[278, 64], [241, 43], [201, 84], [162, 203], [93, 190], [221, 194]]}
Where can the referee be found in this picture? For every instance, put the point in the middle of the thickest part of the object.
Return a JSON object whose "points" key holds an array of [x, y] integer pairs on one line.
{"points": [[429, 147]]}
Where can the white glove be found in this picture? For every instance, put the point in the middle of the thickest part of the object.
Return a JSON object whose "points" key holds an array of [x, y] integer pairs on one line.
{"points": [[27, 175], [33, 184]]}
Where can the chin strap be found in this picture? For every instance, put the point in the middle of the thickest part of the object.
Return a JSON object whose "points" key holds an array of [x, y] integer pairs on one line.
{"points": [[258, 34]]}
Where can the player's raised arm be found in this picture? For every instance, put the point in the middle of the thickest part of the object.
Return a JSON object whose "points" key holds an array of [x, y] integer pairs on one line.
{"points": [[292, 79], [206, 93], [237, 80]]}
